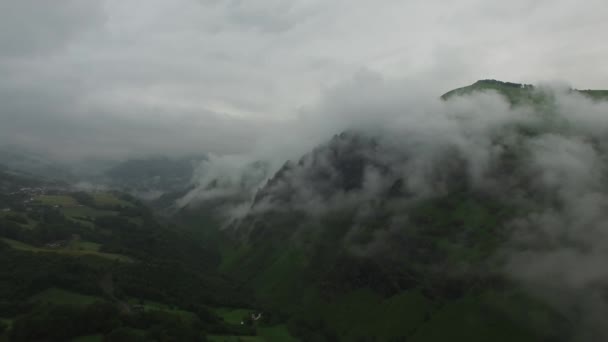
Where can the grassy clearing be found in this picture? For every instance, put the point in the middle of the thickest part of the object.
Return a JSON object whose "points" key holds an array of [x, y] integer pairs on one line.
{"points": [[155, 306], [8, 215], [351, 313], [468, 319], [21, 246], [66, 251], [83, 212], [220, 338], [233, 315], [231, 256], [362, 314], [78, 245], [80, 221], [62, 297], [8, 322], [105, 199], [88, 338], [278, 276], [277, 333], [62, 200]]}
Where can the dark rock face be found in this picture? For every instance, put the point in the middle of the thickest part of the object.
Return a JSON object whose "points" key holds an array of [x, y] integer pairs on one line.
{"points": [[356, 165], [339, 166]]}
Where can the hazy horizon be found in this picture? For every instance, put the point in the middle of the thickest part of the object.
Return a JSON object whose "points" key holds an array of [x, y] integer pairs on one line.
{"points": [[113, 79]]}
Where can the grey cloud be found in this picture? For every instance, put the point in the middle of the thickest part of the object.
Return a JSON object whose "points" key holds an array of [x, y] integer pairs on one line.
{"points": [[31, 27], [105, 64]]}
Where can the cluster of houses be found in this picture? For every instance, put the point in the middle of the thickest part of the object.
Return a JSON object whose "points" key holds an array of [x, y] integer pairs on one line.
{"points": [[26, 196], [32, 192], [35, 191]]}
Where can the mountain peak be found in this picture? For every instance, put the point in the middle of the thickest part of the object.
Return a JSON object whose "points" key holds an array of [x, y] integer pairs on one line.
{"points": [[516, 93]]}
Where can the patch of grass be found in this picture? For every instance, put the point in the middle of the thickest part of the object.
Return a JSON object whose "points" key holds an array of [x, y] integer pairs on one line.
{"points": [[83, 212], [21, 216], [80, 221], [105, 199], [231, 256], [88, 338], [21, 246], [351, 311], [62, 297], [65, 251], [469, 319], [279, 282], [233, 315], [221, 338], [62, 200], [400, 315], [8, 322], [276, 333], [156, 306], [363, 315], [79, 245]]}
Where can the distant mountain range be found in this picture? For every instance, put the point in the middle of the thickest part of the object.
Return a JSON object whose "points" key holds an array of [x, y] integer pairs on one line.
{"points": [[148, 177], [155, 175]]}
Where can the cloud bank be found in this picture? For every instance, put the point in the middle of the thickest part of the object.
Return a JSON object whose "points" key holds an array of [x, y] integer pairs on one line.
{"points": [[110, 78], [550, 162]]}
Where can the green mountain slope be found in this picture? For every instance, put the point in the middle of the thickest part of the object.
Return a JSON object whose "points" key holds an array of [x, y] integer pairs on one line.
{"points": [[517, 93], [333, 284], [342, 259]]}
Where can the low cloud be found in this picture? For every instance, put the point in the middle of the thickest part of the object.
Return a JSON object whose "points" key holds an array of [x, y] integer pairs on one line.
{"points": [[549, 161], [112, 78]]}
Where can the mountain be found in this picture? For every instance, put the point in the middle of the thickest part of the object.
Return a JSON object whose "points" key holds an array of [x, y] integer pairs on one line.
{"points": [[412, 237], [517, 93], [33, 163], [339, 239]]}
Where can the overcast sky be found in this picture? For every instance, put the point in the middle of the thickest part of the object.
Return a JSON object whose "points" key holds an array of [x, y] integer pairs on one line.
{"points": [[121, 77]]}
